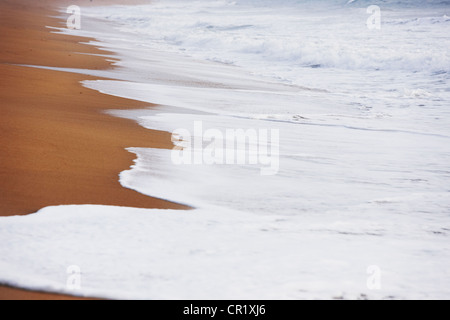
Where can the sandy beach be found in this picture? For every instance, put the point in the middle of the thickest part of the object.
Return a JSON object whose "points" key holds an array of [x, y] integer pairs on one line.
{"points": [[58, 147], [315, 158]]}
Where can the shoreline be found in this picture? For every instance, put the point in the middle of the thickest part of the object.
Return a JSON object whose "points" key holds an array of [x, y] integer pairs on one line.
{"points": [[59, 146], [360, 191]]}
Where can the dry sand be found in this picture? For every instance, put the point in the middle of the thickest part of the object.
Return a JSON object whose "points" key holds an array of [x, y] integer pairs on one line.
{"points": [[58, 147]]}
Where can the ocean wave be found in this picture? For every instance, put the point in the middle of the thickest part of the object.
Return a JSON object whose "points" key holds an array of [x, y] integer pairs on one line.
{"points": [[385, 3], [289, 34]]}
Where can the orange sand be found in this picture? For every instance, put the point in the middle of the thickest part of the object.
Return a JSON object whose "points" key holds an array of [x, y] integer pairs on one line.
{"points": [[58, 147]]}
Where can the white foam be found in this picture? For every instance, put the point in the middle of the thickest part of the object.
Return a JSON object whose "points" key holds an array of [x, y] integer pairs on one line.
{"points": [[202, 254]]}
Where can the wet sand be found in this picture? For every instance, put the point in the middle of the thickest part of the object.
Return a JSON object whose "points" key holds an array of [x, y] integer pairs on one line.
{"points": [[58, 145]]}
